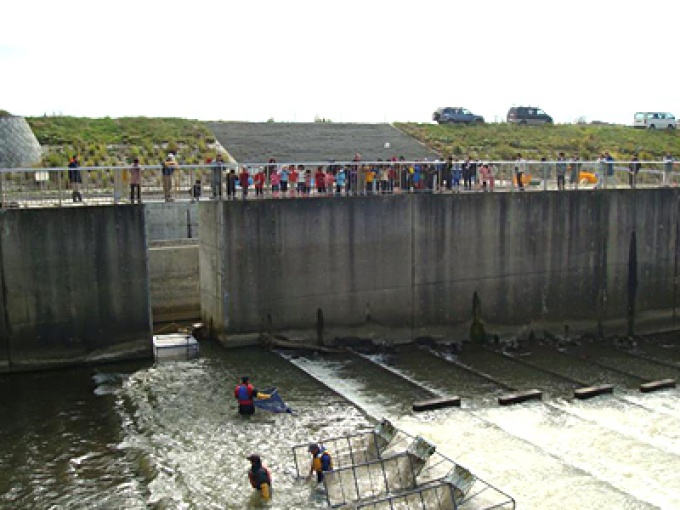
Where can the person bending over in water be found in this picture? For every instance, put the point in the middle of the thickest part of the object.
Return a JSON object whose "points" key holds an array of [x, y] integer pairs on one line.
{"points": [[260, 476]]}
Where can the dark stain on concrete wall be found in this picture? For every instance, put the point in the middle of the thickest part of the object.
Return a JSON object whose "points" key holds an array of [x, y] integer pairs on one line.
{"points": [[415, 261], [76, 283]]}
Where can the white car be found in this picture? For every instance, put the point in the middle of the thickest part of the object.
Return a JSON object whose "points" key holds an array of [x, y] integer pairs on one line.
{"points": [[654, 120]]}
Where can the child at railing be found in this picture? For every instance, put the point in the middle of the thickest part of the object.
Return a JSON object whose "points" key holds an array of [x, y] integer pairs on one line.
{"points": [[135, 182], [196, 191]]}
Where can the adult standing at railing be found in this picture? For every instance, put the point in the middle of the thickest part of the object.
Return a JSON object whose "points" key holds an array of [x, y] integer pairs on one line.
{"points": [[232, 178], [467, 174], [217, 168], [667, 169], [633, 169], [135, 182], [75, 179], [448, 173], [561, 171], [610, 166], [575, 171], [167, 170], [456, 176], [602, 169], [520, 168]]}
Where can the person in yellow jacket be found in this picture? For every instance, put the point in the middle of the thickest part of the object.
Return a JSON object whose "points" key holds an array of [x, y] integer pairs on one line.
{"points": [[322, 462]]}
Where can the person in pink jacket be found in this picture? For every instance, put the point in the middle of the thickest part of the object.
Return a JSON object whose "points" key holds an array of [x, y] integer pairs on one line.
{"points": [[484, 176], [330, 180], [275, 180]]}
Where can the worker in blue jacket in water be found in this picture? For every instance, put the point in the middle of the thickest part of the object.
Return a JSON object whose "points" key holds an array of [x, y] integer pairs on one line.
{"points": [[322, 461], [245, 394]]}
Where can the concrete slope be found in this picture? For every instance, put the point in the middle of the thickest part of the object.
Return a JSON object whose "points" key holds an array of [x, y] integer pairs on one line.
{"points": [[250, 142]]}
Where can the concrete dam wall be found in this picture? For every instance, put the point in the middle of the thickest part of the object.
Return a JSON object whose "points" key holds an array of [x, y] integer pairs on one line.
{"points": [[74, 286], [406, 266]]}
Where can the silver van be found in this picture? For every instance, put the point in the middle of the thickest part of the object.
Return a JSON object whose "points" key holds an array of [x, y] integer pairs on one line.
{"points": [[654, 120]]}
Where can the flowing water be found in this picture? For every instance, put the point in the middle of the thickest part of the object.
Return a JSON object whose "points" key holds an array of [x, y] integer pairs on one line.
{"points": [[167, 435]]}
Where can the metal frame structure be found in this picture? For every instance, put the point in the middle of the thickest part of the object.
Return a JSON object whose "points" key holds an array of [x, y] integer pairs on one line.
{"points": [[405, 469], [351, 449]]}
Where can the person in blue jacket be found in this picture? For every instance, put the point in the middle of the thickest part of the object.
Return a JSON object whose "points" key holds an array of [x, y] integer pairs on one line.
{"points": [[322, 462], [245, 394], [340, 181]]}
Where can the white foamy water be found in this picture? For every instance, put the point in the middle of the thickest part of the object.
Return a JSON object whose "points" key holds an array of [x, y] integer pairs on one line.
{"points": [[606, 454], [168, 436]]}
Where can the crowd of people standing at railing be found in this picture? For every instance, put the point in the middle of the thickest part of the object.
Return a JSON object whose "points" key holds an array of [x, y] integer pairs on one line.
{"points": [[370, 178], [383, 177]]}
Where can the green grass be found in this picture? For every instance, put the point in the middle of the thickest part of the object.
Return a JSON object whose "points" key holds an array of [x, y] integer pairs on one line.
{"points": [[505, 141], [108, 142]]}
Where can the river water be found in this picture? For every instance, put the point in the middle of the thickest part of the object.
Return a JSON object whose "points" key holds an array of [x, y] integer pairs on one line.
{"points": [[167, 435]]}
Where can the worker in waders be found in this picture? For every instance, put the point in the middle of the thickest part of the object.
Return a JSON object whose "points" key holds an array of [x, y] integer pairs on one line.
{"points": [[245, 394], [260, 477], [322, 462]]}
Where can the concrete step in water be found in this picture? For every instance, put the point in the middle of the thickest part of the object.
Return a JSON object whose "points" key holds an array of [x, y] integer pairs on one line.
{"points": [[576, 368]]}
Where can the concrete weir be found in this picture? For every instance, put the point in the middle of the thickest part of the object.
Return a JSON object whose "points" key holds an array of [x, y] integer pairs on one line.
{"points": [[408, 265], [519, 397], [593, 391], [657, 385], [436, 403]]}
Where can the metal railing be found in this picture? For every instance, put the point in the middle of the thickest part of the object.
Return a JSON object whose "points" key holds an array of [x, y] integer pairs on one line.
{"points": [[31, 187]]}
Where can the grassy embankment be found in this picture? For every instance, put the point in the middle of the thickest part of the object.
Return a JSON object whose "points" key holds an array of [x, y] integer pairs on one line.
{"points": [[112, 142], [104, 142], [504, 141]]}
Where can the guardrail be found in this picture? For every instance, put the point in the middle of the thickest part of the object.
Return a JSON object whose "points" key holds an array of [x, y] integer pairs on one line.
{"points": [[31, 187]]}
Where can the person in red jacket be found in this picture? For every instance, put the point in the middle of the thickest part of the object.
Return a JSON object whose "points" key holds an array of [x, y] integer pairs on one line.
{"points": [[245, 394], [244, 181], [320, 181], [259, 180]]}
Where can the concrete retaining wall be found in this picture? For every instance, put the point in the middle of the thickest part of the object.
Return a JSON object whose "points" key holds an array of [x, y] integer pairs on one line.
{"points": [[73, 286], [409, 265], [18, 145]]}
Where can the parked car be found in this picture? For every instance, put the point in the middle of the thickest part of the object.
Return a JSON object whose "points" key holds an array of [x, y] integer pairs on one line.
{"points": [[528, 115], [654, 120], [456, 115]]}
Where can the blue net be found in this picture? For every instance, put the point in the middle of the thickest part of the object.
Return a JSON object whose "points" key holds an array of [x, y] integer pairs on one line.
{"points": [[273, 403]]}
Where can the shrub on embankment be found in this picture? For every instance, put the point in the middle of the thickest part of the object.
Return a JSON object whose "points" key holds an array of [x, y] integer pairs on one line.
{"points": [[504, 141], [111, 142]]}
